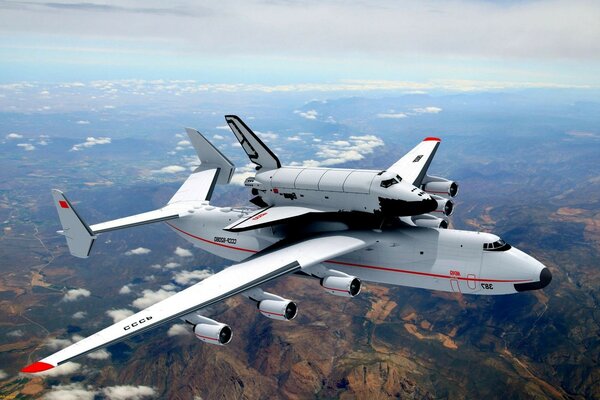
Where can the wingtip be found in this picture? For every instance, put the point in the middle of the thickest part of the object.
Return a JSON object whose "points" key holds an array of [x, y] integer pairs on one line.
{"points": [[38, 366], [432, 139]]}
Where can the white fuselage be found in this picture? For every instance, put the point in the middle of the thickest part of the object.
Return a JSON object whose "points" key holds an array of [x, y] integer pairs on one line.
{"points": [[438, 259], [337, 189]]}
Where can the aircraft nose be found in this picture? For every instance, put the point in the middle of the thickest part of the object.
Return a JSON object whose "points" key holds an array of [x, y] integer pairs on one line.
{"points": [[545, 279]]}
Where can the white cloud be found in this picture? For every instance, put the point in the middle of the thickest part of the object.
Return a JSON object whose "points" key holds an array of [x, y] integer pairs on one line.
{"points": [[73, 391], [179, 330], [150, 297], [26, 146], [223, 127], [310, 114], [171, 265], [171, 169], [169, 287], [185, 278], [4, 375], [75, 294], [67, 368], [127, 392], [15, 333], [119, 314], [14, 136], [181, 252], [57, 344], [294, 138], [219, 137], [267, 136], [342, 151], [138, 251], [91, 141], [82, 122], [239, 178], [79, 315], [125, 290], [392, 115], [77, 391], [184, 143], [101, 354], [427, 110]]}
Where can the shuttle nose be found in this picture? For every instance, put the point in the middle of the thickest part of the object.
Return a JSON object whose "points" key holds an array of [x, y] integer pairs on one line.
{"points": [[545, 279]]}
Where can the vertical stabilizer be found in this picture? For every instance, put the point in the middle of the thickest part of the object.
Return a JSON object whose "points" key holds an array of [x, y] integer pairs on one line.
{"points": [[80, 237], [258, 152]]}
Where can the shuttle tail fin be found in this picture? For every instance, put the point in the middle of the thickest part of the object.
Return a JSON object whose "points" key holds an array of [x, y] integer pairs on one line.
{"points": [[257, 151]]}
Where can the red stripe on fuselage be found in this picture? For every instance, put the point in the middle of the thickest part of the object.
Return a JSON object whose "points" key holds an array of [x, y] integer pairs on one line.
{"points": [[402, 271], [210, 241]]}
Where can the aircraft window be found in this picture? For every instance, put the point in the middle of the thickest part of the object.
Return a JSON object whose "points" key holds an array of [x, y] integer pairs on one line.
{"points": [[499, 245], [389, 182], [399, 178]]}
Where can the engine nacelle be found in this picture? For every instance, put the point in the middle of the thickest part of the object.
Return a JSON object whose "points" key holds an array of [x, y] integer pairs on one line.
{"points": [[344, 286], [282, 310], [429, 221], [445, 206], [213, 333], [440, 186]]}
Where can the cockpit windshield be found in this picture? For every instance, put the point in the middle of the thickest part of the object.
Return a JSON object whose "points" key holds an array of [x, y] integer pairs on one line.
{"points": [[386, 183], [499, 245]]}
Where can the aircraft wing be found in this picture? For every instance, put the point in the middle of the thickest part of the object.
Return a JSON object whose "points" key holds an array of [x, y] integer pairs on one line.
{"points": [[270, 216], [413, 166], [263, 267]]}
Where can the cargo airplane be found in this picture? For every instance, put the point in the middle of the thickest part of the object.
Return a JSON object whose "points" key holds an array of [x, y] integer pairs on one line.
{"points": [[337, 242]]}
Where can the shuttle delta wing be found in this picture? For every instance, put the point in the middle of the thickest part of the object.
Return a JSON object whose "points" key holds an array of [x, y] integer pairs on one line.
{"points": [[258, 152], [413, 166], [270, 216], [259, 269]]}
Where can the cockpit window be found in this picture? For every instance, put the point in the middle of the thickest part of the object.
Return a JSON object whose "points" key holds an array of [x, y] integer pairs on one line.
{"points": [[399, 178], [386, 183], [499, 245]]}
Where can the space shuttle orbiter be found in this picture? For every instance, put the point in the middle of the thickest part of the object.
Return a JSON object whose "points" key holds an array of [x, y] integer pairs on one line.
{"points": [[284, 192]]}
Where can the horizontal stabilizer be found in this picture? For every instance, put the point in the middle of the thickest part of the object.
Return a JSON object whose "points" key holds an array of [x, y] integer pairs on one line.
{"points": [[197, 187], [210, 157], [80, 237], [150, 217], [270, 216]]}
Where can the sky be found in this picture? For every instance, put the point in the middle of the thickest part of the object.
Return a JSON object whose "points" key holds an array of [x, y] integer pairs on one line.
{"points": [[284, 42]]}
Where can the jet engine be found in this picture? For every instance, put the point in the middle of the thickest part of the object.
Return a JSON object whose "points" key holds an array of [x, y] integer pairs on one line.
{"points": [[440, 186], [344, 286], [211, 331], [282, 310], [429, 221], [445, 206]]}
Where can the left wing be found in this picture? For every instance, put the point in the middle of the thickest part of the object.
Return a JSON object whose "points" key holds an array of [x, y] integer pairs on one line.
{"points": [[270, 216], [259, 269], [413, 166]]}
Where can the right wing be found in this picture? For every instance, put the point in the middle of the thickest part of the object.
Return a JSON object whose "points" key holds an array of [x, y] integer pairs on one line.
{"points": [[257, 151], [413, 166], [259, 269]]}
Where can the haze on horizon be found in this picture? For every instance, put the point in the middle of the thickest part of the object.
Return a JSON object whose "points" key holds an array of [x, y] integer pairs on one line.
{"points": [[286, 42]]}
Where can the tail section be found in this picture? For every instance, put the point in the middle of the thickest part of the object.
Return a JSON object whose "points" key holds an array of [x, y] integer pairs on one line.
{"points": [[210, 157], [214, 168], [80, 237], [258, 152]]}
